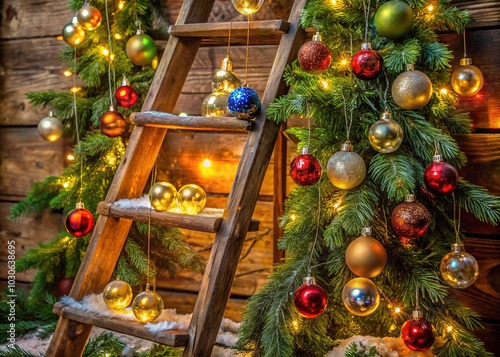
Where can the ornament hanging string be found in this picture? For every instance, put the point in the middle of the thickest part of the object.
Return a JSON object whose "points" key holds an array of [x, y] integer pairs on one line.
{"points": [[436, 147], [465, 45], [456, 219], [246, 53], [77, 129], [348, 122], [110, 56], [153, 180], [386, 90], [417, 303], [308, 125], [317, 231], [367, 15], [229, 39]]}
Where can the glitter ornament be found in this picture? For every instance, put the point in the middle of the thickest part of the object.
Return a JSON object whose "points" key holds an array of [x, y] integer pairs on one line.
{"points": [[141, 49], [89, 17], [412, 89], [394, 19], [367, 64], [314, 56], [360, 296], [418, 333], [50, 128], [366, 256], [305, 169], [126, 95], [385, 135], [247, 7], [162, 196], [117, 295], [346, 169], [191, 199], [73, 34], [244, 103], [459, 269], [80, 221], [410, 219], [147, 306], [440, 177], [112, 123], [310, 299], [467, 79]]}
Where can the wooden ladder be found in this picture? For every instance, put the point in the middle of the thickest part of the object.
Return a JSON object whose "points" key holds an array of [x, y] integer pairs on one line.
{"points": [[230, 224]]}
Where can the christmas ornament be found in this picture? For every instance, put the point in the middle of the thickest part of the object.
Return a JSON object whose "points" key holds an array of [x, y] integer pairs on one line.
{"points": [[126, 95], [244, 103], [117, 294], [367, 64], [89, 17], [225, 80], [73, 34], [191, 199], [346, 169], [162, 196], [50, 128], [247, 7], [394, 19], [410, 219], [440, 177], [63, 287], [360, 296], [412, 89], [418, 333], [215, 105], [314, 56], [459, 269], [366, 256], [385, 135], [305, 169], [80, 221], [467, 79], [310, 299], [112, 123], [147, 306], [141, 49]]}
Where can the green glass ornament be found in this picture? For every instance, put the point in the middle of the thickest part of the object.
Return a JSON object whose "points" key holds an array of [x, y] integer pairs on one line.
{"points": [[394, 19], [141, 49]]}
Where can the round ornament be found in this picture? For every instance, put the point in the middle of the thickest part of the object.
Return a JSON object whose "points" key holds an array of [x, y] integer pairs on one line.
{"points": [[467, 79], [440, 177], [117, 295], [244, 103], [63, 287], [89, 17], [80, 221], [418, 333], [225, 80], [360, 296], [412, 89], [112, 123], [366, 256], [126, 95], [247, 7], [215, 105], [50, 128], [459, 269], [367, 64], [346, 169], [394, 19], [310, 299], [162, 196], [73, 34], [147, 306], [141, 49], [385, 135], [305, 169], [191, 199], [314, 56], [410, 219]]}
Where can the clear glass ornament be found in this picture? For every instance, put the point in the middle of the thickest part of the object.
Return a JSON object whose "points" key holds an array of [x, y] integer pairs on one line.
{"points": [[247, 7], [459, 269]]}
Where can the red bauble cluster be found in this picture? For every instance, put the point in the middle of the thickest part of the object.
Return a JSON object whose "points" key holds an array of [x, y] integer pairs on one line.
{"points": [[418, 334], [79, 222], [440, 177], [305, 170], [126, 96], [314, 56], [112, 123], [367, 64], [410, 219], [310, 299]]}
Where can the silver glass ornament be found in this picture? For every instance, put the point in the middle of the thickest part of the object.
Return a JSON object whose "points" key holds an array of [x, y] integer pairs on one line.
{"points": [[459, 269]]}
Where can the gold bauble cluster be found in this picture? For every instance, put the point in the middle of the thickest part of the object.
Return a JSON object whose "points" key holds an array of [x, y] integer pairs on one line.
{"points": [[190, 199]]}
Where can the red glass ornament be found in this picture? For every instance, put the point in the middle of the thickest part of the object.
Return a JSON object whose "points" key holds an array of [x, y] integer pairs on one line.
{"points": [[314, 56], [410, 219], [440, 177], [310, 299], [112, 123], [418, 333], [64, 286], [367, 64], [305, 169], [80, 221], [126, 95]]}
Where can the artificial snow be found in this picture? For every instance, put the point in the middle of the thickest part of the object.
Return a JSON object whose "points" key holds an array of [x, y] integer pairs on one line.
{"points": [[133, 202]]}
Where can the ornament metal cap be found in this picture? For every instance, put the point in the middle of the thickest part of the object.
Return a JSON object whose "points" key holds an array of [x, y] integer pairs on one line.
{"points": [[366, 46], [305, 150], [309, 280], [80, 205], [125, 81], [317, 37], [418, 314], [410, 67], [51, 114], [112, 108], [74, 21], [226, 64], [366, 231], [437, 158], [386, 115], [347, 146], [457, 247], [410, 198], [465, 61], [139, 32]]}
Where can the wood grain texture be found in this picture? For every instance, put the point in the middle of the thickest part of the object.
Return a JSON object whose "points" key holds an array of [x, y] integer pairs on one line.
{"points": [[485, 12]]}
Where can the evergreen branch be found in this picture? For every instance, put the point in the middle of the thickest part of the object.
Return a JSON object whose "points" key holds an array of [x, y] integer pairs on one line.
{"points": [[478, 201]]}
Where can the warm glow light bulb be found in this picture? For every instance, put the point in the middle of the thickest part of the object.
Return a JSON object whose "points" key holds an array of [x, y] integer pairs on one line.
{"points": [[449, 328], [65, 184], [324, 83], [182, 114], [397, 310], [70, 157], [293, 217], [443, 91], [67, 73], [105, 52], [118, 36], [207, 163], [430, 8], [121, 4]]}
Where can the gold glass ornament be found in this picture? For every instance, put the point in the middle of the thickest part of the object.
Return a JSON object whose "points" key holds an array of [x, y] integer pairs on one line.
{"points": [[89, 17], [366, 256], [360, 296], [141, 49], [346, 169], [215, 105], [73, 34], [147, 306], [385, 135], [412, 89], [467, 79], [459, 269], [191, 199], [117, 295], [50, 128], [162, 196], [225, 80], [247, 7]]}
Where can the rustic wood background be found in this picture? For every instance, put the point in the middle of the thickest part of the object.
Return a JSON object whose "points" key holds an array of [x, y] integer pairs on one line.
{"points": [[29, 62]]}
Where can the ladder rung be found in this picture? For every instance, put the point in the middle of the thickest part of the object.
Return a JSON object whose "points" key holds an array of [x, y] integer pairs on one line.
{"points": [[174, 338], [207, 220], [167, 120]]}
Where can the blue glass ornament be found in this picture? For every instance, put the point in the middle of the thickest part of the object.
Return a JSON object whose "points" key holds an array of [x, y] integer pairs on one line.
{"points": [[244, 103]]}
